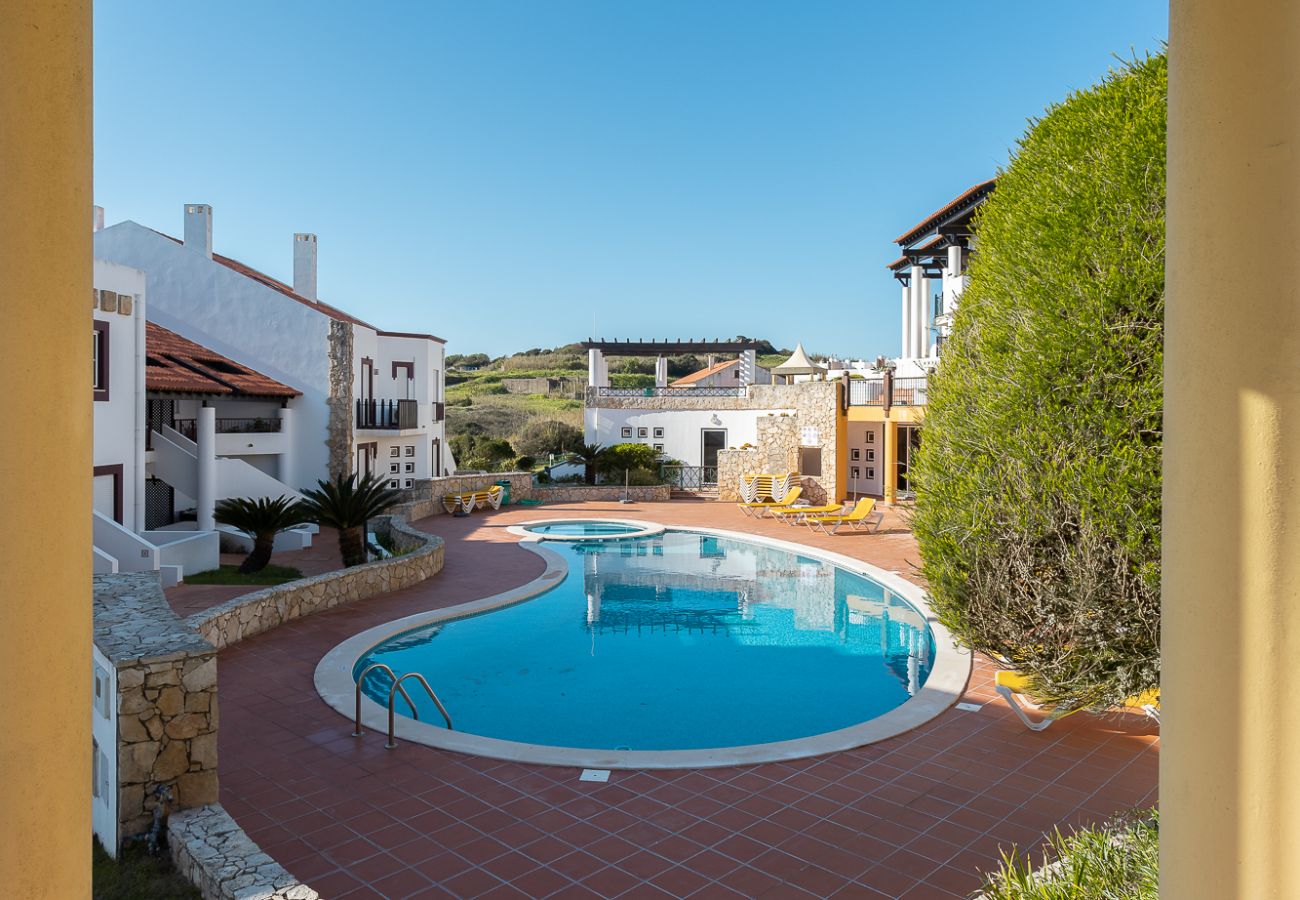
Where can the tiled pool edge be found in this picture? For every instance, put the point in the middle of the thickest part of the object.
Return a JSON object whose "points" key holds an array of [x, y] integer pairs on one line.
{"points": [[944, 686]]}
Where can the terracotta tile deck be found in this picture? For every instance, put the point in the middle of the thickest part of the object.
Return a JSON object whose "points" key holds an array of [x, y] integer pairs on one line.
{"points": [[916, 816]]}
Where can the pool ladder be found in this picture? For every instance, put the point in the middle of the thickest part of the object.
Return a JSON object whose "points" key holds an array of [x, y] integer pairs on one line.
{"points": [[392, 698]]}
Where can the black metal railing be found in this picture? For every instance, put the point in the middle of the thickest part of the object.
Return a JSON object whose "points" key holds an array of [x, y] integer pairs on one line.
{"points": [[669, 392], [866, 393], [903, 392], [256, 425], [388, 414], [691, 478], [187, 427], [910, 391]]}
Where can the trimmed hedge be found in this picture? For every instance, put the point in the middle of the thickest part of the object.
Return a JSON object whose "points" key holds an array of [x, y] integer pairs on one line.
{"points": [[1038, 477]]}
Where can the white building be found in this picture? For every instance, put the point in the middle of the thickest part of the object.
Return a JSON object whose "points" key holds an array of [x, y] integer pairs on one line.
{"points": [[722, 374], [371, 400], [932, 271], [123, 540]]}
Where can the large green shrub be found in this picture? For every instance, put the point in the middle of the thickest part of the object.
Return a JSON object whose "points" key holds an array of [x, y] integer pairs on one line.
{"points": [[1038, 478]]}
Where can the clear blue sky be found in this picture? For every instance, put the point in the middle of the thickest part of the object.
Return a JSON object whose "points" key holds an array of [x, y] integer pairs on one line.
{"points": [[519, 174]]}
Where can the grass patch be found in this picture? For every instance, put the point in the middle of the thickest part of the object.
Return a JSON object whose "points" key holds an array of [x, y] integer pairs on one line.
{"points": [[1115, 862], [136, 875], [230, 574]]}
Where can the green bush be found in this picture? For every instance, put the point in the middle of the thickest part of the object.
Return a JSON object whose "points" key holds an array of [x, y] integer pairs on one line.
{"points": [[618, 458], [1038, 477], [541, 436], [1116, 862]]}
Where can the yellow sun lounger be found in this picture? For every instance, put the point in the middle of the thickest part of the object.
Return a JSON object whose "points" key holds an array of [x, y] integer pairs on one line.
{"points": [[793, 515], [1011, 685], [756, 507], [472, 500], [864, 515]]}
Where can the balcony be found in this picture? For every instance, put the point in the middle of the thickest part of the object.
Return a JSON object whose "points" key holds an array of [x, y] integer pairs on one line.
{"points": [[260, 425], [902, 392], [387, 415], [240, 436]]}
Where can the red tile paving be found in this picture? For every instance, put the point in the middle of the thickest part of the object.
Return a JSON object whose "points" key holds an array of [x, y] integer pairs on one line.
{"points": [[918, 815]]}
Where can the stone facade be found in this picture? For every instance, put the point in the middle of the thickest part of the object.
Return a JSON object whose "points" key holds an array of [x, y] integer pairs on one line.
{"points": [[814, 407], [232, 621], [166, 699], [339, 402], [731, 465], [215, 854]]}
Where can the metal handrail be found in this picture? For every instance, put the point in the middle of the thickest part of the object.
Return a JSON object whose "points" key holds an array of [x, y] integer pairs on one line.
{"points": [[392, 696], [357, 732]]}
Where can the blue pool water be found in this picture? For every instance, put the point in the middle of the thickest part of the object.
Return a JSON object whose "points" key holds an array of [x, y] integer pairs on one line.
{"points": [[585, 529], [675, 642]]}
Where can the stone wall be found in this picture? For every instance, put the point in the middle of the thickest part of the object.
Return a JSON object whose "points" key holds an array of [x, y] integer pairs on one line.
{"points": [[577, 493], [215, 854], [166, 699], [424, 499], [339, 402], [251, 614], [731, 465]]}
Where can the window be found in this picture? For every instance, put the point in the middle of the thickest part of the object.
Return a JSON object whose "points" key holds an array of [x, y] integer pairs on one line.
{"points": [[855, 473], [871, 437], [659, 433], [855, 454], [627, 432], [394, 451], [410, 450], [810, 461], [871, 454], [99, 360], [643, 432], [871, 472], [659, 448], [410, 482], [410, 467], [394, 483], [394, 468]]}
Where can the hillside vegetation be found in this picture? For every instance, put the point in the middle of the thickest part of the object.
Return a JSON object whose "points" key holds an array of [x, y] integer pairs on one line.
{"points": [[482, 413]]}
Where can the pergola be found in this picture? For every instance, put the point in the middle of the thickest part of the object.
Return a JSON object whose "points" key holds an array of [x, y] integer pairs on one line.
{"points": [[598, 372]]}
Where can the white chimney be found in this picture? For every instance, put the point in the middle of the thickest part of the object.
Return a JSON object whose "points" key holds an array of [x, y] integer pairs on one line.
{"points": [[198, 228], [304, 265], [97, 218]]}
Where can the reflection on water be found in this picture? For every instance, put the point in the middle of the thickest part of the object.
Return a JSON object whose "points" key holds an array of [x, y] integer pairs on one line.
{"points": [[677, 641]]}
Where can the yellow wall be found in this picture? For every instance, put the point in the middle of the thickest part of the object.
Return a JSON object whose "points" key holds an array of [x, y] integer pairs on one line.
{"points": [[1230, 750], [45, 460]]}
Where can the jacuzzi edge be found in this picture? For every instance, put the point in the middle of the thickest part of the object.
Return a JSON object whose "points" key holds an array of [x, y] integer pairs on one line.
{"points": [[947, 680]]}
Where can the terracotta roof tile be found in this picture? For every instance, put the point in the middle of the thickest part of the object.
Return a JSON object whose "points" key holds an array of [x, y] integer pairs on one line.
{"points": [[928, 222], [178, 365], [696, 377]]}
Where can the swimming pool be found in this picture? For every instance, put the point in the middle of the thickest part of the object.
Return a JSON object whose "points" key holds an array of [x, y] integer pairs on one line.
{"points": [[586, 529], [687, 648]]}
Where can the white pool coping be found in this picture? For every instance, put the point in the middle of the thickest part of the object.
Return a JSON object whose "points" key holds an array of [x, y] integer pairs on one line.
{"points": [[645, 529], [944, 686]]}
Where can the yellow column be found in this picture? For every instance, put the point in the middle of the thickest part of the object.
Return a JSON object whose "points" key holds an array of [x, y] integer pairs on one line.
{"points": [[891, 461], [1230, 750], [45, 460]]}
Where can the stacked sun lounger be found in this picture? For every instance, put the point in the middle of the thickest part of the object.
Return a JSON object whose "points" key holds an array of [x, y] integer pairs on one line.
{"points": [[762, 486], [472, 500]]}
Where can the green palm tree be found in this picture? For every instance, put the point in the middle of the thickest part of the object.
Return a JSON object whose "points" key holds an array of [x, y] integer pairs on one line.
{"points": [[347, 504], [261, 519], [589, 455]]}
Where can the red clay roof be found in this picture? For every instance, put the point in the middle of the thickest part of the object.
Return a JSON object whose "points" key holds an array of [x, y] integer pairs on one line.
{"points": [[277, 285], [695, 377], [178, 365], [928, 222]]}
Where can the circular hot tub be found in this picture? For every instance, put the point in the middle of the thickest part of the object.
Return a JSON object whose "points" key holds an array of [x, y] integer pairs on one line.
{"points": [[587, 529]]}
